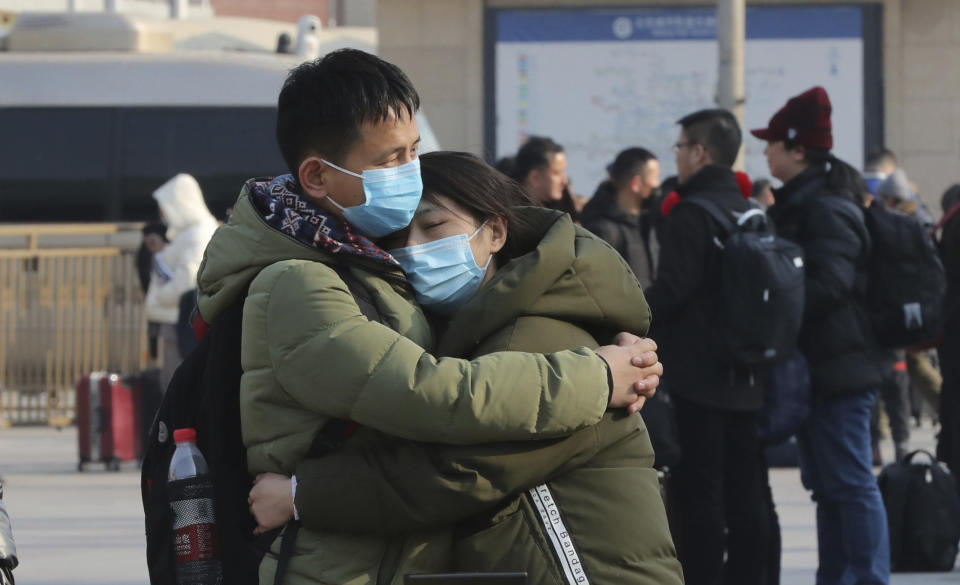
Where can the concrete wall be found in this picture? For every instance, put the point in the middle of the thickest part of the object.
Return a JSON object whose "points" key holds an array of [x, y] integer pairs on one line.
{"points": [[354, 12], [283, 10], [439, 43], [923, 84]]}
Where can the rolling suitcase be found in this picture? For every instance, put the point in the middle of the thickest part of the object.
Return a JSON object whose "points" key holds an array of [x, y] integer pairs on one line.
{"points": [[106, 427]]}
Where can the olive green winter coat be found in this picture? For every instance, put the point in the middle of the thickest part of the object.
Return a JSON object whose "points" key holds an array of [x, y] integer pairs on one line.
{"points": [[585, 509], [309, 355]]}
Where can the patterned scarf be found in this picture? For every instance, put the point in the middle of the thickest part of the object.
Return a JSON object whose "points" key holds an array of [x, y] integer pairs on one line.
{"points": [[293, 214]]}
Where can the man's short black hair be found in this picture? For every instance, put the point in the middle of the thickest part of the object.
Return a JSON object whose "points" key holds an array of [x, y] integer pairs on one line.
{"points": [[324, 103], [534, 154], [878, 157], [628, 164], [759, 186], [717, 130]]}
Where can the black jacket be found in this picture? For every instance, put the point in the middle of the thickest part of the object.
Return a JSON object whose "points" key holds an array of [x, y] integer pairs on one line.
{"points": [[684, 300], [631, 235], [836, 335], [948, 445], [950, 255]]}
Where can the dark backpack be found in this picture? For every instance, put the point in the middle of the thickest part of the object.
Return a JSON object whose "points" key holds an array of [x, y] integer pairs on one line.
{"points": [[906, 281], [204, 394], [761, 286], [923, 514], [787, 400]]}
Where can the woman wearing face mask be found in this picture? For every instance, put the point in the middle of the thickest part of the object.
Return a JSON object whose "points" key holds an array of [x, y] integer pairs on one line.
{"points": [[499, 278]]}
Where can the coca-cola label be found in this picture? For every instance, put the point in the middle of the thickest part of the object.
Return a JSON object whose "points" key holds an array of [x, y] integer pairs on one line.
{"points": [[194, 519], [196, 542]]}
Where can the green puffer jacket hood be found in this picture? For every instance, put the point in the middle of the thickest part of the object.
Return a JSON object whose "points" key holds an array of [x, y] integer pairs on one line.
{"points": [[568, 275]]}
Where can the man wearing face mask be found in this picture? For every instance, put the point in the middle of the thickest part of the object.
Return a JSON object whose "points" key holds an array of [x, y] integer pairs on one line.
{"points": [[346, 128], [619, 217]]}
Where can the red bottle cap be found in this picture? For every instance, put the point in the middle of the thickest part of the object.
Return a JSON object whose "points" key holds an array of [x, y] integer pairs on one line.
{"points": [[184, 435]]}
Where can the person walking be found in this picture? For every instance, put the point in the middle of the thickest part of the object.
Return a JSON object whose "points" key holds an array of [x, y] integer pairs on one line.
{"points": [[718, 484], [820, 208]]}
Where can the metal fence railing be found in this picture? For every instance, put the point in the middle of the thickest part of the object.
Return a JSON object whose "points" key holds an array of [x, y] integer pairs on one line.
{"points": [[70, 304]]}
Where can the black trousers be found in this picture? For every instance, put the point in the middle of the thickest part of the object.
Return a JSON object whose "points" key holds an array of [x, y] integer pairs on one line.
{"points": [[721, 497]]}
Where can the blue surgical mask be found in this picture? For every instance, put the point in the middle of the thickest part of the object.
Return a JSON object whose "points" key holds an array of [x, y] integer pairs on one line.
{"points": [[443, 273], [392, 196]]}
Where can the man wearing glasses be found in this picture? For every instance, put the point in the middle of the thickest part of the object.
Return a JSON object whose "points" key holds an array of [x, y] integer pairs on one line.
{"points": [[719, 482]]}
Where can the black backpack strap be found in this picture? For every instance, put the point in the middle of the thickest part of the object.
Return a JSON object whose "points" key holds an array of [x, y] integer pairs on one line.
{"points": [[286, 550], [715, 210]]}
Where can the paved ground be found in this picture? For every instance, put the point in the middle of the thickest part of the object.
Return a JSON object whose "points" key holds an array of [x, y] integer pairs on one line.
{"points": [[87, 528], [798, 523]]}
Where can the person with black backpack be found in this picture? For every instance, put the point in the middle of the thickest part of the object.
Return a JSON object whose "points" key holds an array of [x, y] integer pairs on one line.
{"points": [[820, 208], [311, 355], [718, 484]]}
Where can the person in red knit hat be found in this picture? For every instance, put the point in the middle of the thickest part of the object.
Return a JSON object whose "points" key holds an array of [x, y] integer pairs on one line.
{"points": [[820, 208], [719, 483]]}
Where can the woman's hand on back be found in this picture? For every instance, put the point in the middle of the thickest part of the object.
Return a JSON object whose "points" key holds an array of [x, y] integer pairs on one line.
{"points": [[648, 362]]}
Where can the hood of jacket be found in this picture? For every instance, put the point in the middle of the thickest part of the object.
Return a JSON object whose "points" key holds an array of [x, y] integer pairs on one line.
{"points": [[181, 202], [247, 244], [569, 274]]}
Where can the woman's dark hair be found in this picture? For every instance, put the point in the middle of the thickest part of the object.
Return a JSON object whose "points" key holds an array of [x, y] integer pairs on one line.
{"points": [[155, 227], [324, 103], [842, 178], [534, 154], [480, 189]]}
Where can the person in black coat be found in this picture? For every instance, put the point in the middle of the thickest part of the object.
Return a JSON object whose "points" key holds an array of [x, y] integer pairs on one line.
{"points": [[154, 240], [820, 208], [948, 443], [617, 212], [718, 484]]}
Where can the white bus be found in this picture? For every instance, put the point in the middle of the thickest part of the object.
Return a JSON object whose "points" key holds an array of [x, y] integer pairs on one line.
{"points": [[88, 136]]}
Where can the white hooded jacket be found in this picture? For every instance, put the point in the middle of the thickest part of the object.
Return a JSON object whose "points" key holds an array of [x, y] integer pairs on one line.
{"points": [[190, 225]]}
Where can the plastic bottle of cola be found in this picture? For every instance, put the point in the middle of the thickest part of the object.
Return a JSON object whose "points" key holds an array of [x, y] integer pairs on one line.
{"points": [[194, 518]]}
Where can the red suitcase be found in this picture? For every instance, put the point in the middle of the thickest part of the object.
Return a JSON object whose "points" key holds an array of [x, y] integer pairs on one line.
{"points": [[105, 415]]}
